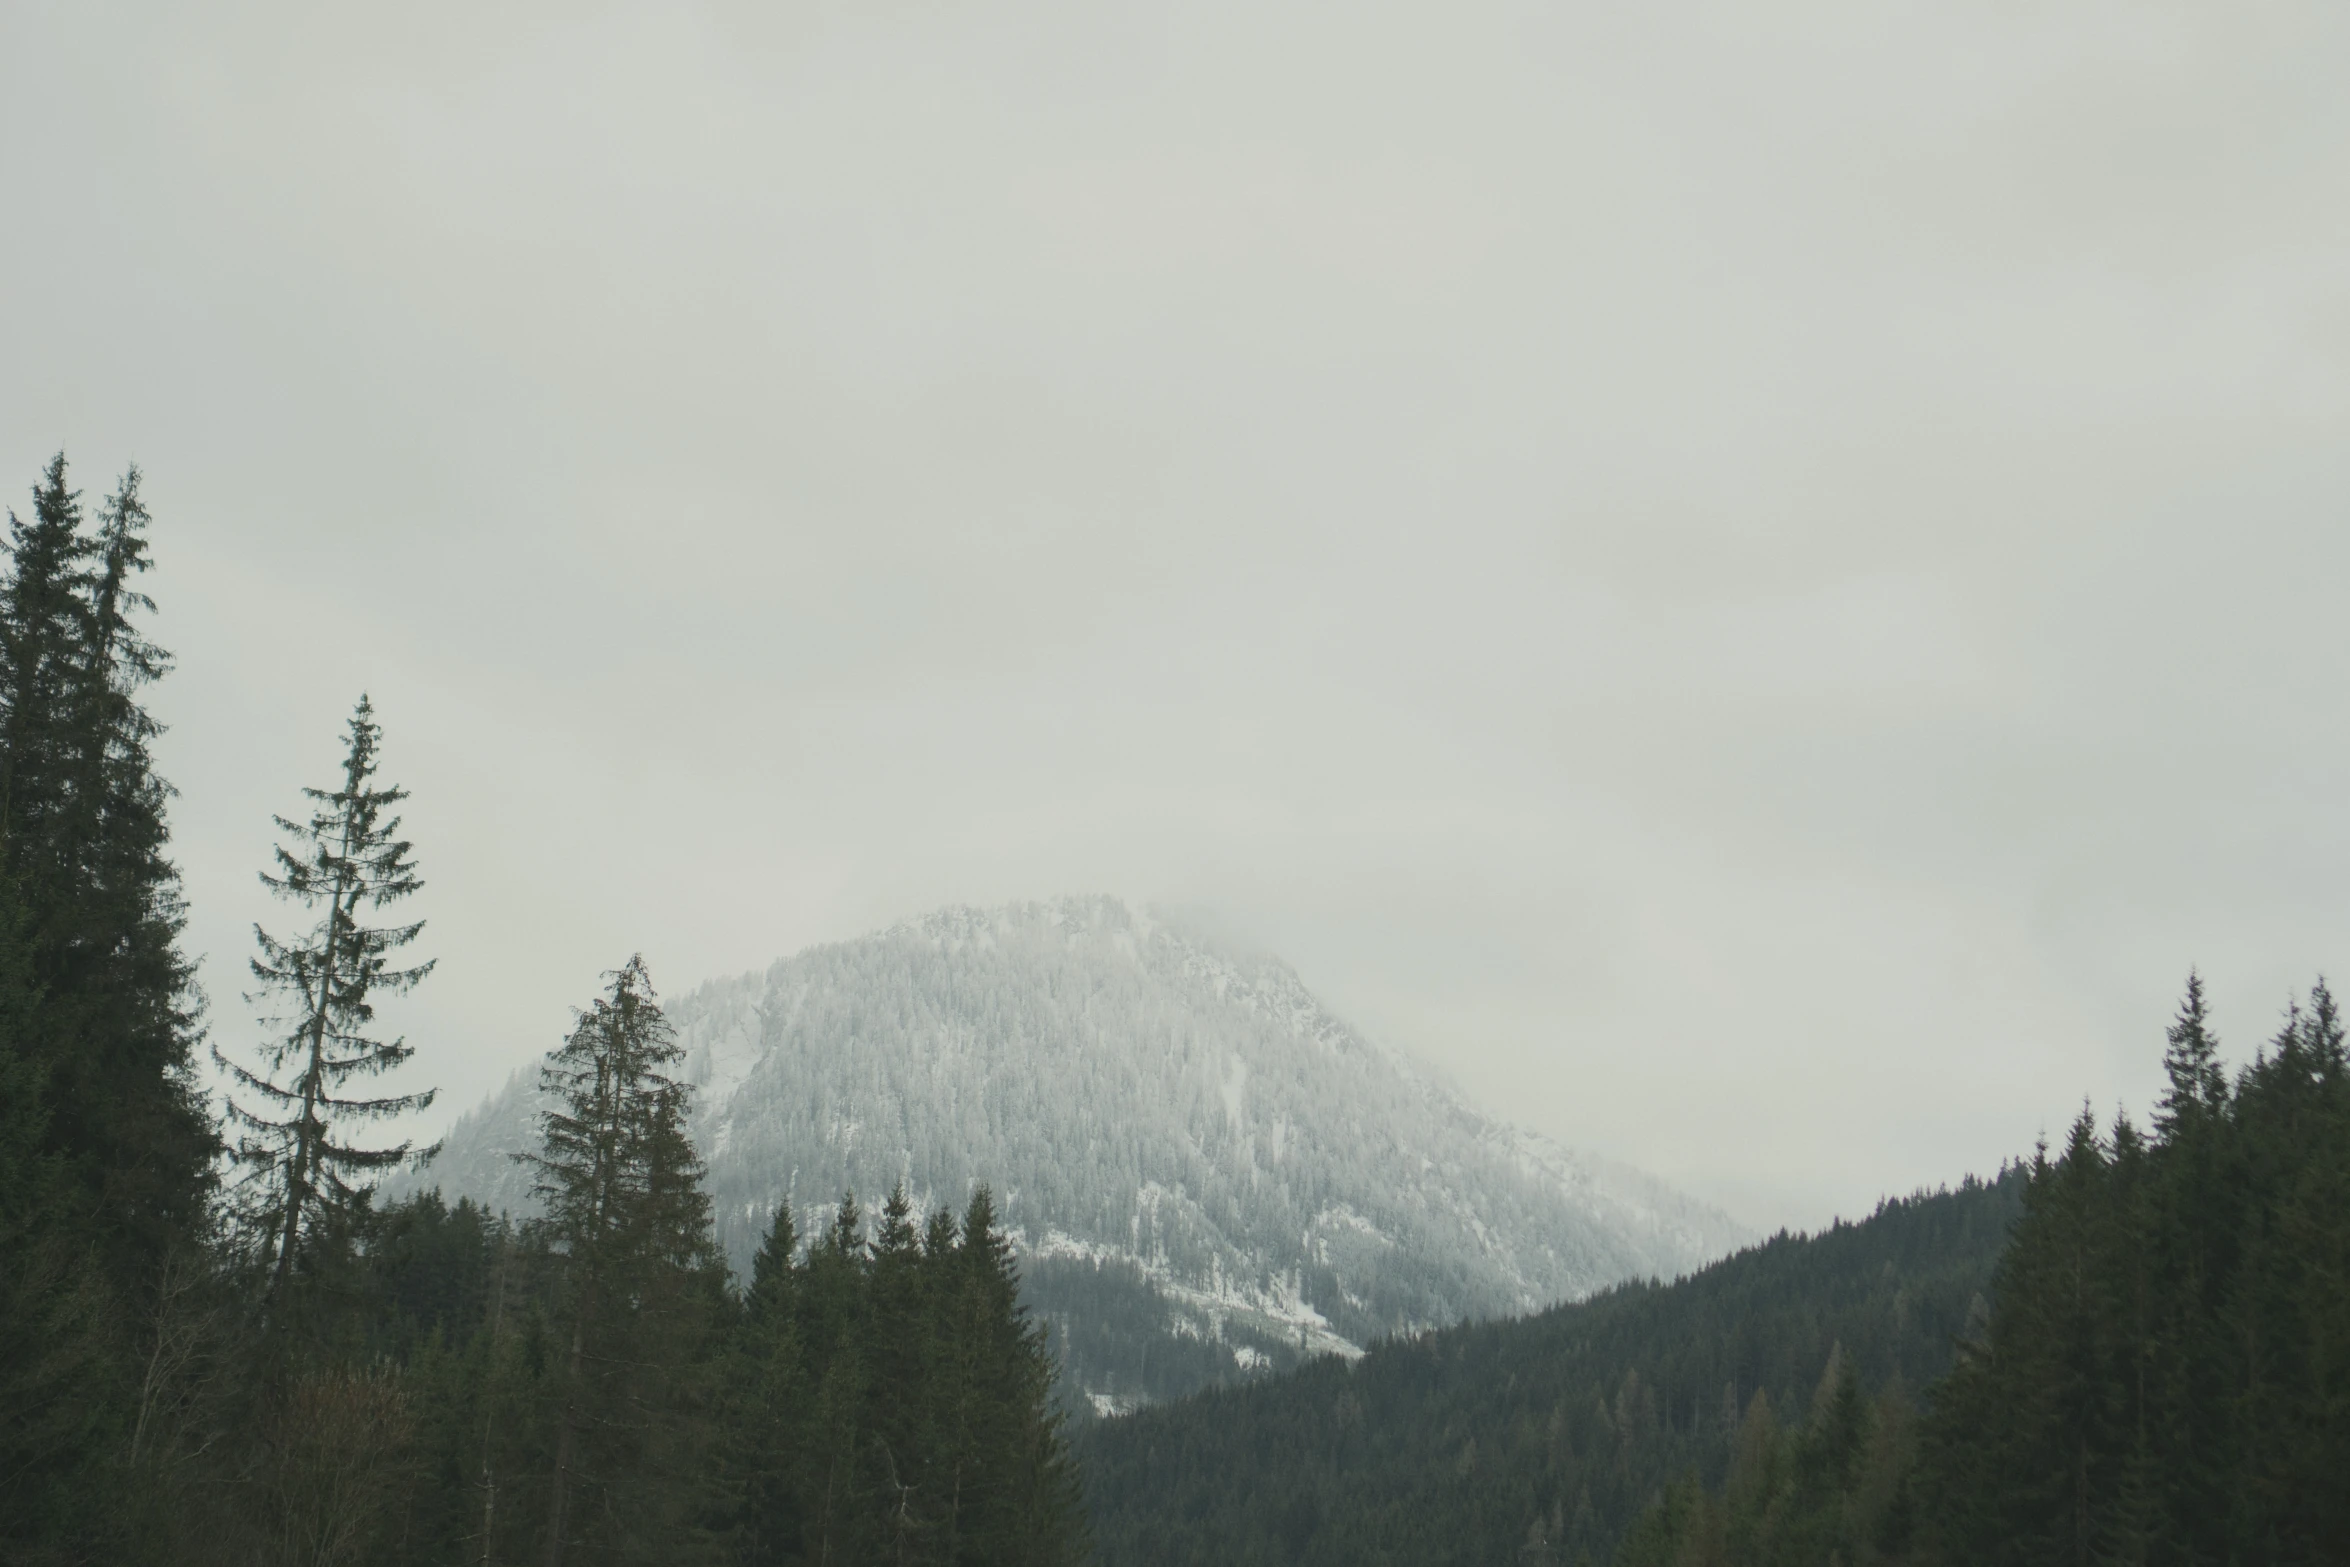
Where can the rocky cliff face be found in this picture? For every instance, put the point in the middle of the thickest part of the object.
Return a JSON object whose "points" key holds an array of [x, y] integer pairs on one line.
{"points": [[1207, 1173]]}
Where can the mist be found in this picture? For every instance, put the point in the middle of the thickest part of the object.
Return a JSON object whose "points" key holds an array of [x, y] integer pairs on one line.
{"points": [[1755, 588]]}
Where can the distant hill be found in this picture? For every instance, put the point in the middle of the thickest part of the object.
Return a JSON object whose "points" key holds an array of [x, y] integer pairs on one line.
{"points": [[1538, 1441], [1207, 1174]]}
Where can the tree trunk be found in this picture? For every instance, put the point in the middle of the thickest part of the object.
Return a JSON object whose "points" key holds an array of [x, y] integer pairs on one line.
{"points": [[558, 1494]]}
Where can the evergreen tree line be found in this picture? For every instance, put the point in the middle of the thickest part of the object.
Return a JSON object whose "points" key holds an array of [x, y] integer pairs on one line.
{"points": [[587, 1386], [2162, 1375], [215, 1346], [875, 1397]]}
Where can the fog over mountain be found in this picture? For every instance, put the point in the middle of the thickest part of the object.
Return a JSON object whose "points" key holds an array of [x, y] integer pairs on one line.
{"points": [[1207, 1173]]}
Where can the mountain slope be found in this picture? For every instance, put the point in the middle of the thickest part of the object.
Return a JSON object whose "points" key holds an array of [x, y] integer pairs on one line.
{"points": [[1206, 1172], [1539, 1440]]}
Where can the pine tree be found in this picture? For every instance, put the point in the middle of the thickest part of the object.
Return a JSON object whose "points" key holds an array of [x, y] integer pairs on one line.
{"points": [[42, 632], [948, 1386], [108, 1022], [2190, 1059], [346, 860], [1758, 1478], [2286, 1423], [105, 1146], [2195, 1234], [1021, 1507], [53, 1356], [839, 1527], [769, 1415], [644, 1287], [899, 1429]]}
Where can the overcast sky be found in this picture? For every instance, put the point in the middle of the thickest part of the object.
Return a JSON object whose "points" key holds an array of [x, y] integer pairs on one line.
{"points": [[1757, 581]]}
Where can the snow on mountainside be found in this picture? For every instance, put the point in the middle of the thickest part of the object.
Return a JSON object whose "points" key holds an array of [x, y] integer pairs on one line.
{"points": [[1206, 1172]]}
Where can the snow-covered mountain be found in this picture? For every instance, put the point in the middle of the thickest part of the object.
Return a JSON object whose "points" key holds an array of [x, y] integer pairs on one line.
{"points": [[1206, 1172]]}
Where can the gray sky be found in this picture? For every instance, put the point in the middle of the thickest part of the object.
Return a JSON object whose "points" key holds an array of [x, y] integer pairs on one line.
{"points": [[1758, 581]]}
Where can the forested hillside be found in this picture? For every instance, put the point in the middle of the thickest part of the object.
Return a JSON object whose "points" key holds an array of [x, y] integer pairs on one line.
{"points": [[1544, 1439]]}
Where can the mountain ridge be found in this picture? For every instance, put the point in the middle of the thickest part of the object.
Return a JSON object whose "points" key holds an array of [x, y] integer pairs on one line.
{"points": [[1206, 1171]]}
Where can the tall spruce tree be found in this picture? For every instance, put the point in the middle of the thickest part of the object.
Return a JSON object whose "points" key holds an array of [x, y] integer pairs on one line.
{"points": [[901, 1433], [106, 1148], [53, 1353], [107, 1023], [1017, 1496], [840, 1526], [768, 1428], [308, 1174], [644, 1289]]}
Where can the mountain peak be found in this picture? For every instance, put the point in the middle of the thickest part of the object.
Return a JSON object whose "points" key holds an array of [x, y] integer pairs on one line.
{"points": [[1207, 1171]]}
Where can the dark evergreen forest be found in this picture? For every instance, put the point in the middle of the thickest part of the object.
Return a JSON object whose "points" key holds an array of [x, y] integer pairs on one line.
{"points": [[215, 1346]]}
